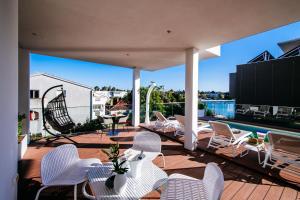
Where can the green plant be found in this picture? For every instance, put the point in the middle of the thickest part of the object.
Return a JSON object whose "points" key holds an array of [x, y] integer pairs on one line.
{"points": [[209, 112], [201, 106], [20, 127], [113, 154], [118, 167]]}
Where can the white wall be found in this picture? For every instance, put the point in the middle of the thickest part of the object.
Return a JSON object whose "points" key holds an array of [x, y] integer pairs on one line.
{"points": [[78, 100], [9, 98], [23, 104]]}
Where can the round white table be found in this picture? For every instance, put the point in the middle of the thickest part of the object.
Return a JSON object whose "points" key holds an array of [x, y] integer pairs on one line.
{"points": [[152, 178]]}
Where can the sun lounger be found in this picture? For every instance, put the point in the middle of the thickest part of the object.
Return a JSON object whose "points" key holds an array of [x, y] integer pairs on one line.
{"points": [[282, 150], [284, 112], [263, 111], [224, 136], [165, 124], [244, 109], [180, 128]]}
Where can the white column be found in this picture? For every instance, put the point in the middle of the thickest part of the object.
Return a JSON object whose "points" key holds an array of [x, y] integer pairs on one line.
{"points": [[24, 81], [191, 98], [136, 97], [9, 98]]}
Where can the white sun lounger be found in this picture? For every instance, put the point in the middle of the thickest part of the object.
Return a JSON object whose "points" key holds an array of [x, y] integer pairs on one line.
{"points": [[223, 136]]}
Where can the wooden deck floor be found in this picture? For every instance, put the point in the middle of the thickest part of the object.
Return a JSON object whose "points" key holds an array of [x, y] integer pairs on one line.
{"points": [[240, 182]]}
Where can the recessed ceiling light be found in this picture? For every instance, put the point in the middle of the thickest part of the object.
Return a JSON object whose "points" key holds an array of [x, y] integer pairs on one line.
{"points": [[169, 31], [127, 54], [34, 34]]}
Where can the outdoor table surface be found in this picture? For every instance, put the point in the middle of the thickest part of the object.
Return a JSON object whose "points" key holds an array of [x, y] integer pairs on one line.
{"points": [[152, 178]]}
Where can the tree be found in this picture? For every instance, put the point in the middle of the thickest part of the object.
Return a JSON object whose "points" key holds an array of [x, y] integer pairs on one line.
{"points": [[96, 88]]}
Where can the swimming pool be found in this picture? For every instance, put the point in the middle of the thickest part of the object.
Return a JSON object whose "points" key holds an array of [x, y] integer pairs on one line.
{"points": [[257, 129], [221, 107]]}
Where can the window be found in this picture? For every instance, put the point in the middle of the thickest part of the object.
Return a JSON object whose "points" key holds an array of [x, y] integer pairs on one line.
{"points": [[34, 94]]}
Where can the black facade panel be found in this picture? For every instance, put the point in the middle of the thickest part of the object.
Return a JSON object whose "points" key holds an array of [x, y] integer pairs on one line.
{"points": [[274, 82], [263, 89], [239, 79], [282, 82], [296, 82], [232, 85]]}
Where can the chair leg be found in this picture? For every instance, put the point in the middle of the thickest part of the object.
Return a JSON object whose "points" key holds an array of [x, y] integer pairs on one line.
{"points": [[38, 193], [75, 192]]}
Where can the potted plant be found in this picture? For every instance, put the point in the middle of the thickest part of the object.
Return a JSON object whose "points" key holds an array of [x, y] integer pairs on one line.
{"points": [[22, 138], [201, 109], [118, 180]]}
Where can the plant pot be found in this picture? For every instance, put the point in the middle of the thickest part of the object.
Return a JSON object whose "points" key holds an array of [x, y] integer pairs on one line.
{"points": [[110, 182], [201, 113], [120, 183], [22, 145]]}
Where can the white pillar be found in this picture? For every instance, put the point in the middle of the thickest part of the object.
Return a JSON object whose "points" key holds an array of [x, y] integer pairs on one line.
{"points": [[191, 98], [24, 81], [136, 98], [9, 98]]}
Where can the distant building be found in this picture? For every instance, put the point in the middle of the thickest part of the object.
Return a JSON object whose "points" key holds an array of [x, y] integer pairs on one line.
{"points": [[82, 101], [266, 80], [78, 98], [101, 98]]}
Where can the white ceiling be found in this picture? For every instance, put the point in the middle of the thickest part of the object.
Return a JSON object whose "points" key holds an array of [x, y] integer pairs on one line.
{"points": [[134, 32]]}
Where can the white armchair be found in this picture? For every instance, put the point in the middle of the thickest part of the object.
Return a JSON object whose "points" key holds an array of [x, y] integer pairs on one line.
{"points": [[62, 166], [180, 186], [148, 142]]}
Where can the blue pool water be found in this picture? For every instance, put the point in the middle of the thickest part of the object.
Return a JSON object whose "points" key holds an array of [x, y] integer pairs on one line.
{"points": [[221, 107], [253, 129]]}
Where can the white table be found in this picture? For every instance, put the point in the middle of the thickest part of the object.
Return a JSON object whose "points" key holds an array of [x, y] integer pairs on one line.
{"points": [[151, 179], [252, 147]]}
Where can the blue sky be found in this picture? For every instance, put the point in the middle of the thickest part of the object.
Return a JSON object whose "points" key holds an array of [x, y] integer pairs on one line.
{"points": [[213, 73]]}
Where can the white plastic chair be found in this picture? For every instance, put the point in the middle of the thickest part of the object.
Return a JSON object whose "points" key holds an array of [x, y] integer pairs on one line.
{"points": [[180, 186], [148, 142], [62, 166]]}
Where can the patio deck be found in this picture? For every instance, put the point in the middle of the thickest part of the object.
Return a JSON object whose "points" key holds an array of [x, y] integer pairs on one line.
{"points": [[240, 182], [249, 161]]}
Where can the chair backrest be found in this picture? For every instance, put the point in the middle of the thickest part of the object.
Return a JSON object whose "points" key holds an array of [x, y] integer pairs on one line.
{"points": [[57, 161], [123, 119], [246, 106], [107, 120], [56, 112], [285, 110], [160, 116], [222, 129], [286, 143], [264, 108], [180, 119], [213, 181], [147, 141]]}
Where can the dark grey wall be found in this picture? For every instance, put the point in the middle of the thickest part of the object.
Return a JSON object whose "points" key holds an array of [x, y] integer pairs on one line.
{"points": [[275, 82], [232, 85]]}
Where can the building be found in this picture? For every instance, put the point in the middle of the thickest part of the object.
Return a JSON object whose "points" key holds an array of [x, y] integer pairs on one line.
{"points": [[78, 98], [266, 80]]}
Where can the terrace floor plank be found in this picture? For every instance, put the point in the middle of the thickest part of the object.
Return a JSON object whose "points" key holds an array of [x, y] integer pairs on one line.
{"points": [[240, 182]]}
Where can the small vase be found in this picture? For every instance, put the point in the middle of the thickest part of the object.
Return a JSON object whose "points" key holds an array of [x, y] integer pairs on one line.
{"points": [[120, 183]]}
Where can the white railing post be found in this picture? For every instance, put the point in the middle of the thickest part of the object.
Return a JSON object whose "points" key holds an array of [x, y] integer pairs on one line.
{"points": [[191, 98]]}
